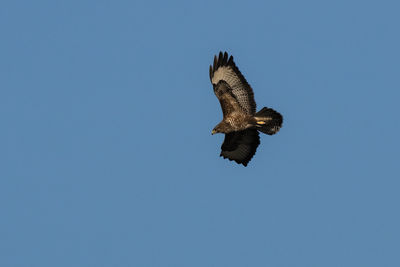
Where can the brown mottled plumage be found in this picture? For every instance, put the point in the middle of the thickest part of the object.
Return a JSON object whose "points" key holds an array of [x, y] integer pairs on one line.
{"points": [[240, 122]]}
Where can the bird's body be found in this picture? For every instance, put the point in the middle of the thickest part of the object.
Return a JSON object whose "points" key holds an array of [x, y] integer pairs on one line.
{"points": [[240, 122]]}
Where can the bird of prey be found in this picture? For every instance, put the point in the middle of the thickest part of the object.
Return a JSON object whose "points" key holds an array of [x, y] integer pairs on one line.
{"points": [[241, 123]]}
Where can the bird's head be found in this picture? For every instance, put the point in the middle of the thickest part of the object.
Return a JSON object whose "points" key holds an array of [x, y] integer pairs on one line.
{"points": [[217, 129]]}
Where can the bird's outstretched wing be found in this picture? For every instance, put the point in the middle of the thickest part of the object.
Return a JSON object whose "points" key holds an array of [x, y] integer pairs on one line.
{"points": [[224, 69], [240, 146]]}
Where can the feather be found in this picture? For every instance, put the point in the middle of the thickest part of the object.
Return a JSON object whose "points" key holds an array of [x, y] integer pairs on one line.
{"points": [[240, 121], [272, 120], [240, 146], [226, 70]]}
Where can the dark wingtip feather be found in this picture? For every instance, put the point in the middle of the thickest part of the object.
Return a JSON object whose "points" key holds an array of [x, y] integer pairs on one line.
{"points": [[220, 58], [245, 162], [225, 59], [211, 71], [230, 61]]}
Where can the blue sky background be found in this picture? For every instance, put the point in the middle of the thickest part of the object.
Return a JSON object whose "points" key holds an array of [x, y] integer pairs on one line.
{"points": [[106, 154]]}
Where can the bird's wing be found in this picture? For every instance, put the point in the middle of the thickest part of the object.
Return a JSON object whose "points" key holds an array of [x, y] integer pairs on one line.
{"points": [[224, 69], [240, 146], [229, 103]]}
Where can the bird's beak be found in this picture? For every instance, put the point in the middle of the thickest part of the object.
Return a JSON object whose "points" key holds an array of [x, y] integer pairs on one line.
{"points": [[213, 132]]}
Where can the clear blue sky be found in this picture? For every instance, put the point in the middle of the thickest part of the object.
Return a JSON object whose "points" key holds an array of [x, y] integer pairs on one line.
{"points": [[106, 154]]}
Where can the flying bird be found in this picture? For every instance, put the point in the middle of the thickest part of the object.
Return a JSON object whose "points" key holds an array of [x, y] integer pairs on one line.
{"points": [[241, 123]]}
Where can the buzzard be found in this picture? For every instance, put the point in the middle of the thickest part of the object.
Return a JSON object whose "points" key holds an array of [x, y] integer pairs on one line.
{"points": [[241, 123]]}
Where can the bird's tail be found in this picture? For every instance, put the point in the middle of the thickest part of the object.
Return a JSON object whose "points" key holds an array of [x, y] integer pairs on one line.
{"points": [[268, 121]]}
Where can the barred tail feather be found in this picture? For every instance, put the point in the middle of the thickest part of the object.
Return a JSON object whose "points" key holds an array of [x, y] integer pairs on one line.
{"points": [[268, 121]]}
